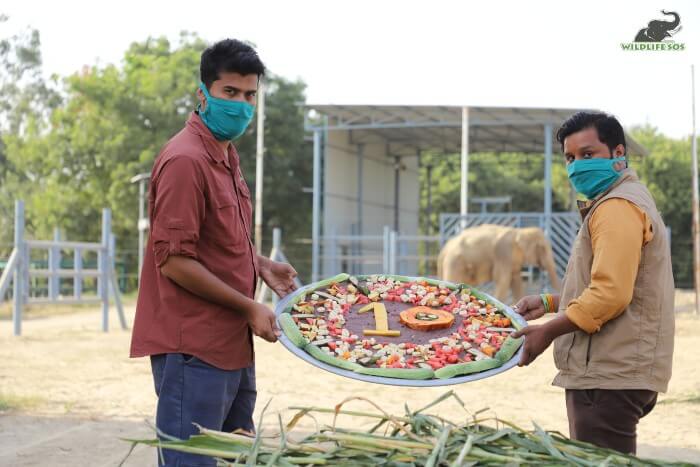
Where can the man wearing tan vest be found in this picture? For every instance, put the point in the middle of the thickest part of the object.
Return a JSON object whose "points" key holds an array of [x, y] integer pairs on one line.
{"points": [[613, 333]]}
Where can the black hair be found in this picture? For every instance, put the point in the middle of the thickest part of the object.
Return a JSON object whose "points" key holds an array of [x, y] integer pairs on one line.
{"points": [[229, 55], [609, 130]]}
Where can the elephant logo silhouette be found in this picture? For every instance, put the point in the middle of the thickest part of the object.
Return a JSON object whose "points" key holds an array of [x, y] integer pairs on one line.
{"points": [[658, 30]]}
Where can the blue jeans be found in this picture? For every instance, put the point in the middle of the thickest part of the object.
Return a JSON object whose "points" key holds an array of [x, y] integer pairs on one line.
{"points": [[192, 391]]}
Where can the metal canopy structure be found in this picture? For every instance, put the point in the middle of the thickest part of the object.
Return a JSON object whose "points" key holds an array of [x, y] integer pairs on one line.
{"points": [[439, 128], [407, 131]]}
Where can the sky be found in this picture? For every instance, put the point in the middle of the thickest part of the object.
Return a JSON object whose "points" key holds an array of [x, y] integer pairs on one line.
{"points": [[459, 52]]}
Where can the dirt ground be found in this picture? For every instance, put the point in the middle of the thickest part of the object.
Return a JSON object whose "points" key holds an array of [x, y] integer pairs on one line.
{"points": [[68, 392]]}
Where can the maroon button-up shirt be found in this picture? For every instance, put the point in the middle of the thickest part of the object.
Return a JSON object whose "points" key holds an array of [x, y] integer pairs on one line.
{"points": [[200, 207]]}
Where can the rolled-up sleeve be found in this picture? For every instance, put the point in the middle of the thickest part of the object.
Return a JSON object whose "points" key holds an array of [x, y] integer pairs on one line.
{"points": [[619, 229], [178, 210]]}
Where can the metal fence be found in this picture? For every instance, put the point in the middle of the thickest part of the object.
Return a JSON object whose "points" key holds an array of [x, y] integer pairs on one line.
{"points": [[396, 253], [561, 229], [23, 273]]}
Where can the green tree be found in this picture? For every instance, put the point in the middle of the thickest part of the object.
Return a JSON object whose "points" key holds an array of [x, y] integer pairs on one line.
{"points": [[492, 174], [26, 99], [111, 125], [667, 173]]}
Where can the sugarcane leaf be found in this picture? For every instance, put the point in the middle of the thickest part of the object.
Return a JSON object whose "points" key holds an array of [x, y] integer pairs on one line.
{"points": [[298, 416]]}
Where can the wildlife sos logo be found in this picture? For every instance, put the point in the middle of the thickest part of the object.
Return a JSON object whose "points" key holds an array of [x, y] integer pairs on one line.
{"points": [[657, 35]]}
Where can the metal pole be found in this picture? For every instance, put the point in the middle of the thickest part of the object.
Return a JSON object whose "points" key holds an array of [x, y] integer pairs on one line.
{"points": [[259, 161], [386, 254], [277, 249], [464, 195], [429, 207], [78, 268], [103, 259], [316, 226], [696, 199], [360, 205], [18, 291], [547, 177], [392, 252], [141, 224], [360, 202], [54, 266], [397, 180]]}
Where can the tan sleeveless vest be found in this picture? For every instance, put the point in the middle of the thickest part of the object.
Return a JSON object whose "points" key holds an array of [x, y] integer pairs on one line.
{"points": [[634, 350]]}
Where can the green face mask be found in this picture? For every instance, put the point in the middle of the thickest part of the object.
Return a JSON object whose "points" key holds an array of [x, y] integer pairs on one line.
{"points": [[591, 177], [226, 119]]}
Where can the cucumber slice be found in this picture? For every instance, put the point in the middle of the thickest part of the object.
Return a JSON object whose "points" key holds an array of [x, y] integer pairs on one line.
{"points": [[508, 349], [402, 373], [437, 282], [342, 277], [322, 356], [291, 330], [460, 369]]}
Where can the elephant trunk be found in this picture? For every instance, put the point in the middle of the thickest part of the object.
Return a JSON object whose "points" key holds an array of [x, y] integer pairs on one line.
{"points": [[676, 21]]}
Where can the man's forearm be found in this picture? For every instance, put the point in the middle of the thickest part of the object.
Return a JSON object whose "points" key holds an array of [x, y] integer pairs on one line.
{"points": [[559, 326], [194, 277], [263, 262]]}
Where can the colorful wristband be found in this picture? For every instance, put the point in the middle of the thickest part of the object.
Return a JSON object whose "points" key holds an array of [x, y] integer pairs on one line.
{"points": [[548, 302]]}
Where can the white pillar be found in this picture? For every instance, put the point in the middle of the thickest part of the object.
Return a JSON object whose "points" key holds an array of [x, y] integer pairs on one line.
{"points": [[547, 177], [316, 225], [259, 165], [464, 195]]}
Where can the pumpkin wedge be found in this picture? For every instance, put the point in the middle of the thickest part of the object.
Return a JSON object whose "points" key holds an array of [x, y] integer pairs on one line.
{"points": [[423, 318]]}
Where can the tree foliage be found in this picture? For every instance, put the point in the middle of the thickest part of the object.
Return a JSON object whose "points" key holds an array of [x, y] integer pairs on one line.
{"points": [[70, 162]]}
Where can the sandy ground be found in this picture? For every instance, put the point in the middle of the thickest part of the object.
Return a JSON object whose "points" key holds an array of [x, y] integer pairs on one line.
{"points": [[68, 392]]}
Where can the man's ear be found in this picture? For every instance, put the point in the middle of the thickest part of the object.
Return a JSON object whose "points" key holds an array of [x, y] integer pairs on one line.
{"points": [[619, 151], [202, 105]]}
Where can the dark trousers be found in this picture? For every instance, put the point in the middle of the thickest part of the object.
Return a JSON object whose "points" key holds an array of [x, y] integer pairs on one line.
{"points": [[191, 391], [608, 418]]}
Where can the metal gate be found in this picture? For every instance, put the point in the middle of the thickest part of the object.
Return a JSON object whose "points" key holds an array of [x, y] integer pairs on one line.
{"points": [[563, 228]]}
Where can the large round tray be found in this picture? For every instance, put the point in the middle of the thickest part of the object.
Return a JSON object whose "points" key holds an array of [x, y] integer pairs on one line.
{"points": [[283, 303]]}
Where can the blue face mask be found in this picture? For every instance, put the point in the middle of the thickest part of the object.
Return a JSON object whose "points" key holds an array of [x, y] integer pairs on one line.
{"points": [[591, 177], [226, 119]]}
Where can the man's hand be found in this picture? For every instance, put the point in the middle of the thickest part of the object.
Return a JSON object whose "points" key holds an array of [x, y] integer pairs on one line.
{"points": [[537, 339], [262, 321], [530, 307], [278, 276]]}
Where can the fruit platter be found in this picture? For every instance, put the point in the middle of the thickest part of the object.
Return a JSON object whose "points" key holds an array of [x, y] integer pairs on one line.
{"points": [[399, 330]]}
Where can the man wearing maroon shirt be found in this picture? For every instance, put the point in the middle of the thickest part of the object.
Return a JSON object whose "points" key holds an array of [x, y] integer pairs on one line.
{"points": [[195, 315]]}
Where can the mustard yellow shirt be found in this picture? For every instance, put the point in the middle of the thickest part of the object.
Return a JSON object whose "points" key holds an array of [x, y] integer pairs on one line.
{"points": [[619, 229]]}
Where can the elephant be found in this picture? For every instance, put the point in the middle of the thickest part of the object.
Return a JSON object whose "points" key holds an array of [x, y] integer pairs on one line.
{"points": [[656, 30], [496, 253]]}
